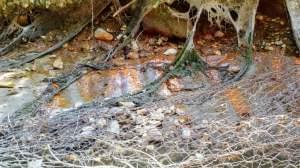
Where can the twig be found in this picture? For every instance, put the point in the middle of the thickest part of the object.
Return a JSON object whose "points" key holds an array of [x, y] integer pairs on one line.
{"points": [[124, 8]]}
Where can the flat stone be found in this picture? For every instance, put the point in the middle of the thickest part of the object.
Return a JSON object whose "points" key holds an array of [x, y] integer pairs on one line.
{"points": [[171, 51], [127, 104], [219, 34], [234, 68], [7, 84], [133, 55], [58, 63], [103, 35], [114, 127]]}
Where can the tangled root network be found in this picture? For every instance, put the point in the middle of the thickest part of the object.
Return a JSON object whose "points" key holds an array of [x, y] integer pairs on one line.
{"points": [[158, 135]]}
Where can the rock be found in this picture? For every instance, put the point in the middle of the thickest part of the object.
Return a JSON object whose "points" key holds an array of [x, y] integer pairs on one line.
{"points": [[133, 55], [115, 110], [153, 135], [101, 123], [217, 52], [214, 60], [269, 48], [134, 46], [174, 85], [224, 65], [141, 112], [72, 157], [58, 63], [260, 17], [162, 20], [164, 91], [278, 43], [127, 104], [171, 52], [219, 34], [101, 34], [35, 163], [87, 131], [184, 119], [7, 84], [234, 68], [157, 115], [114, 127], [186, 133]]}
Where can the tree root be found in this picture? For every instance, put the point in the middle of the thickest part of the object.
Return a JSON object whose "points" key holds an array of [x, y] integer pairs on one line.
{"points": [[143, 7], [41, 25]]}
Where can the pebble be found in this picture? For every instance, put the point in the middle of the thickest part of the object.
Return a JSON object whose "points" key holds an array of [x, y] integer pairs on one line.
{"points": [[153, 135], [72, 157], [157, 115], [127, 104], [171, 52], [133, 55], [134, 46], [269, 48], [114, 127], [101, 123], [164, 91], [234, 68], [184, 119], [217, 52], [7, 84], [278, 43], [186, 133], [58, 63], [219, 34], [103, 35], [87, 131], [260, 17], [174, 85]]}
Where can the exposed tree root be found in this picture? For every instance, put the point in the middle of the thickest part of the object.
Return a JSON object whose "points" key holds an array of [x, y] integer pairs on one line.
{"points": [[143, 7], [29, 57], [41, 25], [188, 53]]}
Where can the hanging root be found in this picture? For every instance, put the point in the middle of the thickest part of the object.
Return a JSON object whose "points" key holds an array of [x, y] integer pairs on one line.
{"points": [[41, 25]]}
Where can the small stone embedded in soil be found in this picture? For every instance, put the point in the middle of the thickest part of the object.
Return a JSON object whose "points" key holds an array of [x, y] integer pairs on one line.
{"points": [[134, 46], [171, 51], [103, 35], [72, 157], [101, 123], [219, 34], [269, 48], [260, 17], [174, 85], [114, 127], [153, 135], [186, 133], [58, 63], [7, 84], [133, 55], [157, 115], [217, 52], [164, 91], [184, 119], [234, 68], [127, 104]]}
